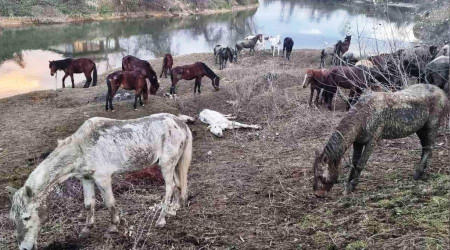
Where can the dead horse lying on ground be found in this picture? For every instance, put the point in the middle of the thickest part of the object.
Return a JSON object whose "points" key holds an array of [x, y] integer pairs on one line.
{"points": [[418, 109], [100, 148]]}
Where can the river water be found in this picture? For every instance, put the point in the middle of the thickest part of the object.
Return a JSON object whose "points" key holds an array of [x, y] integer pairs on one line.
{"points": [[25, 52]]}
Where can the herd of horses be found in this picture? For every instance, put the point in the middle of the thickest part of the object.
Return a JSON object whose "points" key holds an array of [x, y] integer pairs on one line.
{"points": [[102, 147], [384, 71]]}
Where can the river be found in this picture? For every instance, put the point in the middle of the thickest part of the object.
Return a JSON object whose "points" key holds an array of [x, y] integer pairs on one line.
{"points": [[25, 52]]}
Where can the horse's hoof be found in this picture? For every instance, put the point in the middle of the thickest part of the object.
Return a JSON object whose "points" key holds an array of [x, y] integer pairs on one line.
{"points": [[143, 105], [136, 109], [112, 229], [161, 223], [85, 232], [417, 176], [171, 212]]}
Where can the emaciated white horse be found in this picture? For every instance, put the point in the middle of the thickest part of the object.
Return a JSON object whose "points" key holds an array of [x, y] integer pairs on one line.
{"points": [[275, 44], [100, 148], [219, 122]]}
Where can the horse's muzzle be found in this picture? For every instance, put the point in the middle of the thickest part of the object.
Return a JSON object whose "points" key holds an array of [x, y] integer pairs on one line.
{"points": [[52, 74]]}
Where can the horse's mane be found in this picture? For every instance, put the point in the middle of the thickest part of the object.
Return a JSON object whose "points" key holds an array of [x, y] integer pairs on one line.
{"points": [[208, 71], [334, 150], [18, 203], [62, 64]]}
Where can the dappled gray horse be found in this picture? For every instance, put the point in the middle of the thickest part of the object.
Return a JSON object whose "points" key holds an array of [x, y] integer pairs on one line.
{"points": [[249, 44], [100, 148], [418, 109]]}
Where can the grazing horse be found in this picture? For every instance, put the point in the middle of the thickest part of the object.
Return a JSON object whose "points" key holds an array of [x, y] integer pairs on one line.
{"points": [[167, 65], [234, 53], [419, 109], [216, 50], [318, 78], [128, 80], [131, 63], [100, 148], [348, 77], [72, 66], [415, 60], [224, 55], [336, 51], [275, 44], [248, 44], [193, 71], [288, 44]]}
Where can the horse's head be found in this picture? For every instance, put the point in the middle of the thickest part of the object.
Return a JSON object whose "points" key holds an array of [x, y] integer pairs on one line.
{"points": [[323, 179], [215, 83], [308, 77], [216, 130], [27, 214], [154, 83], [52, 67], [348, 38], [260, 37]]}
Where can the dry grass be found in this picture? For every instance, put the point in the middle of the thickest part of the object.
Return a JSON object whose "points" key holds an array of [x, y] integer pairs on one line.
{"points": [[254, 190]]}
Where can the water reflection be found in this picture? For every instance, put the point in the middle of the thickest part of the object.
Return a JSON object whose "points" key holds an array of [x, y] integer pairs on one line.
{"points": [[311, 23]]}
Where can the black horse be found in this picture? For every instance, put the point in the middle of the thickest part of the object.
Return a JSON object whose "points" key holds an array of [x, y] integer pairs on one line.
{"points": [[287, 45], [225, 55]]}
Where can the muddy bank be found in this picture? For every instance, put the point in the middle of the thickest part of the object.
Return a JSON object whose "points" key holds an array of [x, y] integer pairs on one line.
{"points": [[254, 190], [11, 22]]}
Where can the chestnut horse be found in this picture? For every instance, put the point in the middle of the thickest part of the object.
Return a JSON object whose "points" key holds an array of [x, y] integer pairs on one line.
{"points": [[318, 78], [131, 63], [167, 65], [193, 71], [72, 66], [128, 80]]}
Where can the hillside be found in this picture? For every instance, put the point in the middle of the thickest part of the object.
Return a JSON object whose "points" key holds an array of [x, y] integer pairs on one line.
{"points": [[13, 12]]}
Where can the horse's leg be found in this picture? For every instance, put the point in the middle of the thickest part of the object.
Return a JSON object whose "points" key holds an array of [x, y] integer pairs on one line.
{"points": [[360, 163], [174, 83], [426, 136], [88, 80], [175, 204], [136, 96], [357, 152], [104, 184], [89, 205], [311, 96], [167, 171], [63, 79], [198, 83], [241, 125], [71, 78]]}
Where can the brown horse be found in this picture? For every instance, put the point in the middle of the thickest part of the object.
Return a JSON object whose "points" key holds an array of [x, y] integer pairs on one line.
{"points": [[348, 77], [129, 80], [193, 71], [72, 66], [167, 65], [420, 109], [318, 78], [131, 63]]}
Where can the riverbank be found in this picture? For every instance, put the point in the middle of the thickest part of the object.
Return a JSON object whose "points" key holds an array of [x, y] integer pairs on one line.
{"points": [[11, 22], [247, 190]]}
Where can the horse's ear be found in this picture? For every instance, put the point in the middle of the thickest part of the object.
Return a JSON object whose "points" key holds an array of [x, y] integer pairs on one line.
{"points": [[317, 152], [11, 191], [28, 192]]}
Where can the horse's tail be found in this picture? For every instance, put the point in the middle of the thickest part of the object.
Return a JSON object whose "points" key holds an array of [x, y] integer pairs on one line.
{"points": [[94, 82], [183, 165], [208, 71]]}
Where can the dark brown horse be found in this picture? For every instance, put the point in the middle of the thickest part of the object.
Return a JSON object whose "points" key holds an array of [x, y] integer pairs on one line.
{"points": [[193, 71], [131, 63], [318, 78], [419, 109], [129, 80], [348, 77], [167, 65], [72, 66]]}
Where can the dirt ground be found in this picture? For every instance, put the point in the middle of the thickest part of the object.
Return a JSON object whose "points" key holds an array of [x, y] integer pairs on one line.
{"points": [[253, 190]]}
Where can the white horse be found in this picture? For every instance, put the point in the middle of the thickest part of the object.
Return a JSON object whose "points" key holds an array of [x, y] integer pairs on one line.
{"points": [[100, 148], [275, 44], [219, 122]]}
